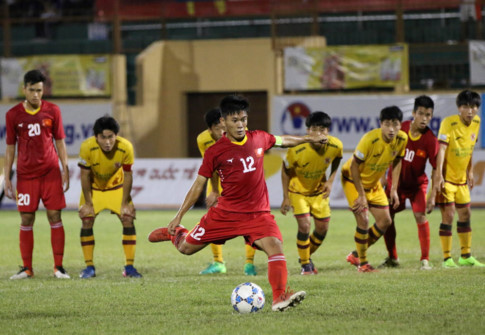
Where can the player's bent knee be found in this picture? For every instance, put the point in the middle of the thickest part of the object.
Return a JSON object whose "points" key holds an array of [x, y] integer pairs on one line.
{"points": [[270, 245]]}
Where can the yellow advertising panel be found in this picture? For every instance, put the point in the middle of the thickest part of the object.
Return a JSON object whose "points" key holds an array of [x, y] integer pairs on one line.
{"points": [[346, 67], [67, 75]]}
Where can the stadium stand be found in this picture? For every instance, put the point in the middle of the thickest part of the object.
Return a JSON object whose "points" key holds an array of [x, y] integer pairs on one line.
{"points": [[431, 28]]}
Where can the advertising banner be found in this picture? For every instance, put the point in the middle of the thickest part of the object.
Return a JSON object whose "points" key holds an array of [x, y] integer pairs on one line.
{"points": [[67, 75], [476, 55], [352, 115], [345, 67], [78, 120], [163, 183]]}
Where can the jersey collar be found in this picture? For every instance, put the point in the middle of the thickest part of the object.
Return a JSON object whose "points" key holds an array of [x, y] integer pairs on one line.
{"points": [[244, 140], [32, 112]]}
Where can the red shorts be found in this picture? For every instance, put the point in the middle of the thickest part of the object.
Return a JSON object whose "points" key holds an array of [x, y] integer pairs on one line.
{"points": [[48, 188], [417, 199], [218, 226]]}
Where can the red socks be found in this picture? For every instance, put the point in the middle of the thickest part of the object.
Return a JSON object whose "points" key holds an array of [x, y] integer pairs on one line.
{"points": [[26, 238], [277, 274], [390, 238], [57, 242], [423, 233]]}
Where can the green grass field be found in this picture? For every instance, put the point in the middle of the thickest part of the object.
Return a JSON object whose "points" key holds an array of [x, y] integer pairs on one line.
{"points": [[173, 298]]}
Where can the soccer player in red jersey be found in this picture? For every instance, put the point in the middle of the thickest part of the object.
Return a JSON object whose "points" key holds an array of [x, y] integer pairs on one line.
{"points": [[243, 207], [32, 125], [413, 182]]}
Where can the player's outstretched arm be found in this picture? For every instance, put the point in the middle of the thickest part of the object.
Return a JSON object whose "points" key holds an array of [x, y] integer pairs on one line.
{"points": [[7, 170], [194, 193], [62, 153], [288, 141]]}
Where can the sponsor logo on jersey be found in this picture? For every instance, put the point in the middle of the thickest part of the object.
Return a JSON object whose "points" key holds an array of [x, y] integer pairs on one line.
{"points": [[359, 154], [259, 152]]}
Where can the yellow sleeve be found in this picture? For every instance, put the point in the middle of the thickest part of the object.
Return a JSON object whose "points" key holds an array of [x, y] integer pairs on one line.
{"points": [[84, 154], [129, 157], [405, 142], [444, 133], [340, 148], [289, 159], [362, 148], [200, 144]]}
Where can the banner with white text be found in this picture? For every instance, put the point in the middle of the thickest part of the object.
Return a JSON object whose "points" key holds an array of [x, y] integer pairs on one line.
{"points": [[352, 115], [163, 183]]}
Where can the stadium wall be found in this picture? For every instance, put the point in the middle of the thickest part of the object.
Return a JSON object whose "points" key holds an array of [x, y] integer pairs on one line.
{"points": [[167, 70]]}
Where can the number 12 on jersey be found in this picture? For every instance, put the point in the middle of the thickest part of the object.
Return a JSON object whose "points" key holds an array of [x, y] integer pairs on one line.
{"points": [[248, 164]]}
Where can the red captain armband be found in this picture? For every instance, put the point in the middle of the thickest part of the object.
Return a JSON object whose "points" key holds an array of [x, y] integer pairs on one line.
{"points": [[127, 167]]}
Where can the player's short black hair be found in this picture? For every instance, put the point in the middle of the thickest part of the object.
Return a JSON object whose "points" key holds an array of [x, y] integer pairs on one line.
{"points": [[233, 104], [468, 98], [213, 117], [391, 113], [33, 77], [106, 123], [423, 101], [318, 119]]}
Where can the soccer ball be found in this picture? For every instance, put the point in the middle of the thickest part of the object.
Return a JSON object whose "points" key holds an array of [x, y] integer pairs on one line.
{"points": [[247, 298]]}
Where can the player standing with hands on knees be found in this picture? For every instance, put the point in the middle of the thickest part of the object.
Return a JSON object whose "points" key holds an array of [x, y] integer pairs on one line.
{"points": [[306, 188], [361, 181], [32, 125], [454, 176], [105, 160], [243, 208]]}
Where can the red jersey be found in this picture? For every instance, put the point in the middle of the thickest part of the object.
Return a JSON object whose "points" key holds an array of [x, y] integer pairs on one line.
{"points": [[34, 134], [240, 167], [418, 150]]}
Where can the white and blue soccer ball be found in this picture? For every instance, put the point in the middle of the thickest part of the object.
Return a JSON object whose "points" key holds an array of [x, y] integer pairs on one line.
{"points": [[247, 298]]}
